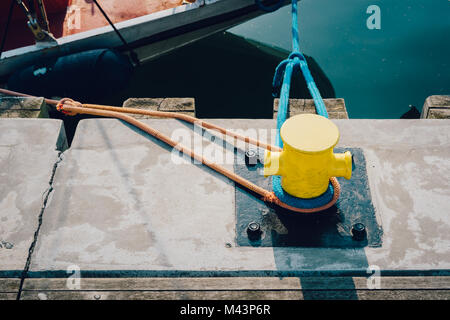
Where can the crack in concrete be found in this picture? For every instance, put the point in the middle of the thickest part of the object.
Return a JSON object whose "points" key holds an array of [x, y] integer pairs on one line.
{"points": [[46, 196], [160, 104]]}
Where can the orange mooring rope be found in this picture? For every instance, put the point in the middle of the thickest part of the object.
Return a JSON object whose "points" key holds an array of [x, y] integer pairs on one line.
{"points": [[71, 107]]}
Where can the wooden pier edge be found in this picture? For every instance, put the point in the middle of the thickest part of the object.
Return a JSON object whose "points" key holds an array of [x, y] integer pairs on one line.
{"points": [[23, 107], [436, 107], [179, 105], [335, 107], [239, 288]]}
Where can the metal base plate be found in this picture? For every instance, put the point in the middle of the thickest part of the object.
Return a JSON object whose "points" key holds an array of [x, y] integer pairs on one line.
{"points": [[329, 228]]}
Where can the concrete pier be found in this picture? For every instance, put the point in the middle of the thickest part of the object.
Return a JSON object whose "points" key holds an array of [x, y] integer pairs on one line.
{"points": [[120, 206], [29, 149], [137, 210]]}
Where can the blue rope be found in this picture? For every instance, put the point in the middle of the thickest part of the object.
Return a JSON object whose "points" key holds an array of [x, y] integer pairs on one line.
{"points": [[282, 80]]}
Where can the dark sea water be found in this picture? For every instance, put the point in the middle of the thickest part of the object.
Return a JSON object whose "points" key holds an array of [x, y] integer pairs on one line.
{"points": [[379, 73]]}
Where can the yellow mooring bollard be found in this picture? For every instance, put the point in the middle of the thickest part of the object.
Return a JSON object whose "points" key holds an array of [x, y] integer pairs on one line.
{"points": [[307, 161]]}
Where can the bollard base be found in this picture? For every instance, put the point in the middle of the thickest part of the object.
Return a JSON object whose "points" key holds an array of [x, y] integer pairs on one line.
{"points": [[329, 228]]}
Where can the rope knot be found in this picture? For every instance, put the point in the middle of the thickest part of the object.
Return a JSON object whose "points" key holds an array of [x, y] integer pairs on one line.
{"points": [[296, 54], [278, 78], [270, 197], [69, 102]]}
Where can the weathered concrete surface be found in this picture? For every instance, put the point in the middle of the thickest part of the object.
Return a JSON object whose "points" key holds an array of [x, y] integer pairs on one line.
{"points": [[28, 151], [120, 203], [436, 107], [179, 105], [335, 107], [22, 107]]}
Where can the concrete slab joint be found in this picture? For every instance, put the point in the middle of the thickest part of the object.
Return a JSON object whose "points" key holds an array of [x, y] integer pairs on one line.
{"points": [[30, 150]]}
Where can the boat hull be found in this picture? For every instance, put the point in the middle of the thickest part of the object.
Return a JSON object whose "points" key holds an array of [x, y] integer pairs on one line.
{"points": [[150, 35]]}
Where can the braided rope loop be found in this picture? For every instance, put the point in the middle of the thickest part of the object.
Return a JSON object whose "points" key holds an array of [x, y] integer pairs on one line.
{"points": [[284, 70]]}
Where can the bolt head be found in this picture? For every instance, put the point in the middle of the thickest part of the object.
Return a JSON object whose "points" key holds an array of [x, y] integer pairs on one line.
{"points": [[254, 230], [251, 157], [359, 231]]}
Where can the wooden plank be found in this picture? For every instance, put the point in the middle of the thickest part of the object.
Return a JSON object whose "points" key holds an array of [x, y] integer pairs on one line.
{"points": [[361, 283], [241, 283], [179, 105], [8, 296], [378, 295], [436, 107], [9, 285], [347, 288], [161, 295], [239, 295], [167, 284], [439, 113], [335, 107], [23, 107]]}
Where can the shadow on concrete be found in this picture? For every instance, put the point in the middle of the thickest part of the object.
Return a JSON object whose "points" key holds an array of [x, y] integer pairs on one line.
{"points": [[342, 288]]}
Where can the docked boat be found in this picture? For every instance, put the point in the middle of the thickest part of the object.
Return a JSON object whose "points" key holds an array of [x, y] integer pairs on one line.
{"points": [[39, 30]]}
